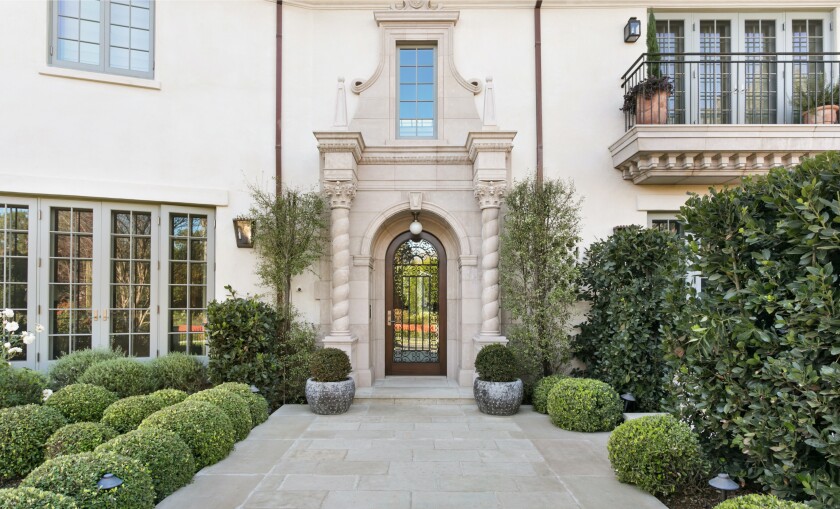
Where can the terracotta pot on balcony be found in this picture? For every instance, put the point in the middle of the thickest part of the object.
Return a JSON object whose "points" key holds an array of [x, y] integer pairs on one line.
{"points": [[653, 110], [821, 115]]}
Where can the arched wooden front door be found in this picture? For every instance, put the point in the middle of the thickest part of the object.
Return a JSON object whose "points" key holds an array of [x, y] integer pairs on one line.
{"points": [[415, 306]]}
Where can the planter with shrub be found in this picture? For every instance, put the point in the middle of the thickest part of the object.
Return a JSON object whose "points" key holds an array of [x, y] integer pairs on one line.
{"points": [[167, 397], [82, 402], [20, 386], [542, 390], [68, 368], [820, 104], [179, 371], [76, 476], [583, 404], [204, 427], [330, 391], [256, 403], [233, 405], [497, 390], [23, 431], [166, 456], [126, 414], [78, 437], [124, 376], [32, 498]]}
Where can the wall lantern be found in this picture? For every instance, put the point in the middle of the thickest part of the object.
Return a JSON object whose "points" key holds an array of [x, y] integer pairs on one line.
{"points": [[724, 484], [243, 228], [416, 228], [632, 30], [108, 482]]}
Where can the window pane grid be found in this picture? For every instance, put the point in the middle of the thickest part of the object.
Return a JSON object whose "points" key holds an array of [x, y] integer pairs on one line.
{"points": [[130, 284], [416, 91], [187, 283], [14, 264], [78, 31]]}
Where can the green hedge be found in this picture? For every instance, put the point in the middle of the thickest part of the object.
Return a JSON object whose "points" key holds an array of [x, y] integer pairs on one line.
{"points": [[30, 498], [23, 431], [756, 359], [256, 403], [657, 453], [167, 397], [126, 377], [179, 371], [20, 386], [166, 456], [68, 368], [77, 437], [541, 391], [82, 402], [581, 404], [759, 502], [496, 363], [204, 427], [233, 405], [76, 476]]}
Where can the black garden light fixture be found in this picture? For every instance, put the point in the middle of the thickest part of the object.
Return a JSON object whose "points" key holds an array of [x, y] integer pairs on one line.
{"points": [[724, 485], [108, 482], [628, 399], [243, 228], [632, 30]]}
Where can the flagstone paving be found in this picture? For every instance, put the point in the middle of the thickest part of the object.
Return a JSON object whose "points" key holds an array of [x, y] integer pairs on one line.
{"points": [[412, 456]]}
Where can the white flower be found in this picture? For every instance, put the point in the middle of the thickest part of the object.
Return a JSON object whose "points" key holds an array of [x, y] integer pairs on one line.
{"points": [[28, 338], [15, 349], [39, 328], [8, 313], [46, 394], [11, 326], [7, 345]]}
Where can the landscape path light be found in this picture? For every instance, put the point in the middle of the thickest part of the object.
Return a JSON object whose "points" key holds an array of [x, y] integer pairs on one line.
{"points": [[724, 484], [108, 482]]}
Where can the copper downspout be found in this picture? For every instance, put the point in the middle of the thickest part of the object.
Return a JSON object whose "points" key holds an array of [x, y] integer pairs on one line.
{"points": [[278, 97], [538, 79]]}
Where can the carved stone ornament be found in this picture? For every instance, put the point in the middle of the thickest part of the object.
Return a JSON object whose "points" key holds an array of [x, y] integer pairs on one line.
{"points": [[340, 193], [490, 194], [415, 4]]}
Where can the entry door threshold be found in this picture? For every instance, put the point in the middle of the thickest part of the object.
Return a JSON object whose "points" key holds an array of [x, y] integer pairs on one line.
{"points": [[415, 390]]}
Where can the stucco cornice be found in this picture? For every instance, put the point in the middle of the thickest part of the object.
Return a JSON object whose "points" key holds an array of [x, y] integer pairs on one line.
{"points": [[581, 4]]}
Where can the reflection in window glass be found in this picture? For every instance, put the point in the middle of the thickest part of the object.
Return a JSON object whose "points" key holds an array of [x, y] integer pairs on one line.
{"points": [[187, 283], [130, 283], [14, 264], [416, 91]]}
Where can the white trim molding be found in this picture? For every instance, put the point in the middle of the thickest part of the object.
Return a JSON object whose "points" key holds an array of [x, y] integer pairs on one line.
{"points": [[114, 79]]}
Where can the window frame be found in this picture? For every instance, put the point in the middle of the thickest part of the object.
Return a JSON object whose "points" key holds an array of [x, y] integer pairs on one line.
{"points": [[407, 44], [104, 66]]}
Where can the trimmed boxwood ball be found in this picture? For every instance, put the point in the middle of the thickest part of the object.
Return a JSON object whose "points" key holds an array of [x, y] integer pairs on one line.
{"points": [[233, 405], [31, 498], [204, 427], [583, 404], [167, 397], [78, 437], [20, 386], [657, 453], [179, 371], [126, 377], [759, 502], [76, 475], [330, 365], [496, 363], [166, 456], [126, 414], [82, 402], [68, 368], [540, 397], [256, 403], [23, 431]]}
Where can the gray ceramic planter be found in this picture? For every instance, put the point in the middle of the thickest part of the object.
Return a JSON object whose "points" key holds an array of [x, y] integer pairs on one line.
{"points": [[498, 398], [330, 398]]}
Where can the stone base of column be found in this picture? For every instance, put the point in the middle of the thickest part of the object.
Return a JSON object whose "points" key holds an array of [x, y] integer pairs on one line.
{"points": [[482, 340]]}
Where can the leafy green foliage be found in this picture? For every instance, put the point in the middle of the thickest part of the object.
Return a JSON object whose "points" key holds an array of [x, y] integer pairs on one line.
{"points": [[756, 501], [204, 427], [124, 376], [76, 476], [330, 365], [538, 272], [31, 498], [179, 371], [496, 363], [126, 414], [68, 368], [20, 386], [78, 437], [23, 431], [167, 457], [233, 405], [256, 403], [82, 402], [541, 391], [167, 397], [657, 453], [756, 361], [635, 282], [583, 404]]}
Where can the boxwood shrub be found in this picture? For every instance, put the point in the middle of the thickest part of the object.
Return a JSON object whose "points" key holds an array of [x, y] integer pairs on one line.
{"points": [[126, 377], [76, 475], [20, 386], [496, 363], [82, 402], [256, 403], [330, 365], [179, 371], [657, 453], [126, 414], [233, 405], [23, 432], [204, 427], [77, 437], [167, 397], [759, 502], [583, 404], [541, 390], [31, 498], [68, 368], [166, 456]]}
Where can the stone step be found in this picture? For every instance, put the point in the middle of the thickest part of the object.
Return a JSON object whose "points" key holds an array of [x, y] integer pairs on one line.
{"points": [[415, 391]]}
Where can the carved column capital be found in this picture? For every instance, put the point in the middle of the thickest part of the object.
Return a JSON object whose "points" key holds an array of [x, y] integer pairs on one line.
{"points": [[340, 193], [490, 194]]}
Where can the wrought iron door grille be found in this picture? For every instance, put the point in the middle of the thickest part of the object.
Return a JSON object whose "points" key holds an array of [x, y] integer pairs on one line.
{"points": [[416, 305]]}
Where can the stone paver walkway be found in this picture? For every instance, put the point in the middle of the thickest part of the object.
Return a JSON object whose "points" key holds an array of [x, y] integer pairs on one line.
{"points": [[412, 456]]}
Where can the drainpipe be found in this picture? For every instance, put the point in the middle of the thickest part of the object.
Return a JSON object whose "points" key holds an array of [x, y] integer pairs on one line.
{"points": [[278, 98], [538, 79]]}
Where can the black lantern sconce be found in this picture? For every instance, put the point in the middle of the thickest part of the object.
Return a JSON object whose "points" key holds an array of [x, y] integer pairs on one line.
{"points": [[108, 482], [243, 228], [724, 485], [632, 30]]}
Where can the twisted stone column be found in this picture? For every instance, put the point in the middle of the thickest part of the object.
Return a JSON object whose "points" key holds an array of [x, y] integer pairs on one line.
{"points": [[490, 196], [340, 195]]}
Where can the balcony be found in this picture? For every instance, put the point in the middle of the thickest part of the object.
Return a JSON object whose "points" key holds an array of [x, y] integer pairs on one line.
{"points": [[726, 115]]}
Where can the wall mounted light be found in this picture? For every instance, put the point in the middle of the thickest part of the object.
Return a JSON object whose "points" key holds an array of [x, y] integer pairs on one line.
{"points": [[243, 228], [632, 30], [416, 228]]}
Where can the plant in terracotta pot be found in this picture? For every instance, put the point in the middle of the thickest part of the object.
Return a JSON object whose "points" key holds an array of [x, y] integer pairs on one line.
{"points": [[819, 104], [497, 389], [648, 99], [330, 391]]}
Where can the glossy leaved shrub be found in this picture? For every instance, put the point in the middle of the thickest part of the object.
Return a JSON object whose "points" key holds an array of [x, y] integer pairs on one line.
{"points": [[31, 498], [20, 386], [582, 404], [167, 397], [23, 432], [77, 437], [541, 391], [126, 414], [82, 402], [756, 501], [124, 376], [233, 405], [178, 371], [68, 368], [256, 403], [496, 363]]}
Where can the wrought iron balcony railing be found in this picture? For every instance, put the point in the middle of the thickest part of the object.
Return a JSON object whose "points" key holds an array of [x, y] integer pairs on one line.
{"points": [[733, 88]]}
